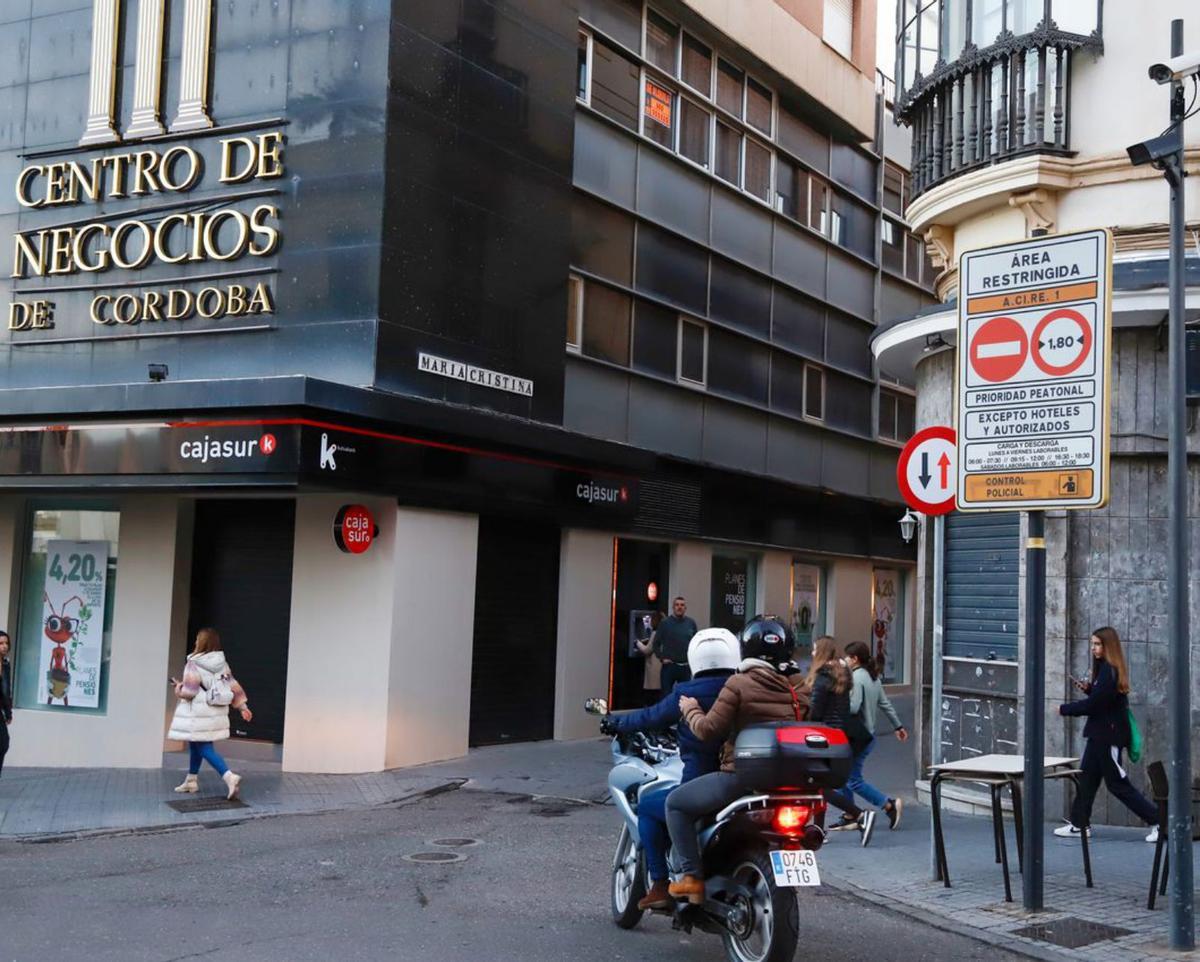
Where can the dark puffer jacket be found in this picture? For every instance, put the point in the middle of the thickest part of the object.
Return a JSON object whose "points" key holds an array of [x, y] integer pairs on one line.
{"points": [[829, 706], [1106, 708]]}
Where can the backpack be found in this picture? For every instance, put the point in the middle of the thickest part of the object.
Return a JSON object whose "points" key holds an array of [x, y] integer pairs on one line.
{"points": [[220, 691]]}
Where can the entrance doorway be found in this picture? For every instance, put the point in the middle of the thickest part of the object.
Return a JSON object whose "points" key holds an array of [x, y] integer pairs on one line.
{"points": [[642, 589], [242, 586]]}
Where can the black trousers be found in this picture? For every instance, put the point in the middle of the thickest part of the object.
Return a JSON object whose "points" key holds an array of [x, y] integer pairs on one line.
{"points": [[673, 673], [1098, 766], [3, 741]]}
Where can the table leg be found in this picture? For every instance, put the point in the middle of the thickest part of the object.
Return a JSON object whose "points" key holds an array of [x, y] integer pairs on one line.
{"points": [[1083, 838], [1014, 788], [998, 823], [939, 842]]}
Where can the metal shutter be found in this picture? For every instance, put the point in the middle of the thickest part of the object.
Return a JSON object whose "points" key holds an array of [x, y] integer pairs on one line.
{"points": [[839, 26], [982, 604]]}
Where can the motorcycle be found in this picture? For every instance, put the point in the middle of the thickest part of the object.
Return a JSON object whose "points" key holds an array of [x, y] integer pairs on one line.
{"points": [[756, 852]]}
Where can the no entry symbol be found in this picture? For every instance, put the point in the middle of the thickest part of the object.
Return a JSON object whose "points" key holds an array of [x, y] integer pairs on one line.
{"points": [[999, 349], [1061, 342]]}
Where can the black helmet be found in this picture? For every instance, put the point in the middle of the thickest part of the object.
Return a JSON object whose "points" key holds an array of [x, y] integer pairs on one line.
{"points": [[768, 638]]}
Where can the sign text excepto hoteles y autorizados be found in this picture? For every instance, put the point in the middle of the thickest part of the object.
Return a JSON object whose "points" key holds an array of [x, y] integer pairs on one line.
{"points": [[1031, 399]]}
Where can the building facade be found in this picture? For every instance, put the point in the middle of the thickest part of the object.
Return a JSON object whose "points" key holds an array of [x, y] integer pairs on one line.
{"points": [[425, 350], [1020, 114]]}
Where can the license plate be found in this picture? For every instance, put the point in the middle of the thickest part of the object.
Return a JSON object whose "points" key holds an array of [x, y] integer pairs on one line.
{"points": [[795, 868]]}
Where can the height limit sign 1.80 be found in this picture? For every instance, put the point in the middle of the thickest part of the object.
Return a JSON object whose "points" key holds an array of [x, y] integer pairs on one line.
{"points": [[1034, 329]]}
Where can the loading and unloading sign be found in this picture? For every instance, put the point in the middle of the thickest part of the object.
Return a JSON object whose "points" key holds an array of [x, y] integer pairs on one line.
{"points": [[1032, 398]]}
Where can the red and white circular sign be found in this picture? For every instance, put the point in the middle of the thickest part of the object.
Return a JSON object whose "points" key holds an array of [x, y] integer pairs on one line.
{"points": [[267, 443], [1061, 342], [999, 349], [927, 470], [354, 528]]}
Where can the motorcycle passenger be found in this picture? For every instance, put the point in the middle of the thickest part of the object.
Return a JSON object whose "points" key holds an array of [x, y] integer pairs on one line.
{"points": [[763, 690], [713, 655]]}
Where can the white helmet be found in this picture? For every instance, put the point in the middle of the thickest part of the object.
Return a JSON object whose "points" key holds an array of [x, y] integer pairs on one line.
{"points": [[713, 648]]}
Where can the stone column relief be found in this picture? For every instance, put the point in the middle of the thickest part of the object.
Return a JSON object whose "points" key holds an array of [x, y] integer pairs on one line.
{"points": [[147, 84], [102, 91], [193, 82]]}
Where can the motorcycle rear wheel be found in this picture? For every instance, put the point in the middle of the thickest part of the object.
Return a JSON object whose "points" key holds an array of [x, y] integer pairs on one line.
{"points": [[774, 931], [628, 881]]}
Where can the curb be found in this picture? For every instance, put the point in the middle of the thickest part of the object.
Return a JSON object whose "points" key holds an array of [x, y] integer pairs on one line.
{"points": [[80, 835]]}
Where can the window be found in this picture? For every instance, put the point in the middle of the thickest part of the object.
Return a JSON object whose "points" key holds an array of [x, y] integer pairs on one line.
{"points": [[914, 255], [70, 573], [791, 189], [729, 154], [897, 416], [693, 351], [887, 416], [839, 26], [814, 392], [697, 65], [853, 226], [818, 211], [758, 170], [659, 111], [605, 333], [615, 82], [729, 87], [601, 239], [807, 143], [662, 41], [655, 340], [893, 246], [581, 74], [758, 106], [574, 312], [893, 188], [694, 124]]}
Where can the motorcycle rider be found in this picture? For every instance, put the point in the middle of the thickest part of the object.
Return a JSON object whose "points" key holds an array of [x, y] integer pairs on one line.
{"points": [[765, 689], [713, 656]]}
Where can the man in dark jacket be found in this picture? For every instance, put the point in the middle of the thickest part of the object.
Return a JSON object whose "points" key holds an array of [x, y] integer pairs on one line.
{"points": [[712, 657], [671, 642]]}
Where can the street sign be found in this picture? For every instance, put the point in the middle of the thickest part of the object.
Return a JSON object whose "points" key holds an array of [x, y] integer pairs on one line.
{"points": [[925, 472], [1031, 404]]}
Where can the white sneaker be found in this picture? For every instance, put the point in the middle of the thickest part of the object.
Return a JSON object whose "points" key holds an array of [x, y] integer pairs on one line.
{"points": [[1070, 831], [1153, 836]]}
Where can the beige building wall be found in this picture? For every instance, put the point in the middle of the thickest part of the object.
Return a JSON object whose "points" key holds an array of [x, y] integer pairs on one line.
{"points": [[584, 617], [691, 576], [775, 584], [848, 615]]}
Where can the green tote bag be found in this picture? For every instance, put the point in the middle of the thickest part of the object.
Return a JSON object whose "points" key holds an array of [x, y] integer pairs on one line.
{"points": [[1135, 738]]}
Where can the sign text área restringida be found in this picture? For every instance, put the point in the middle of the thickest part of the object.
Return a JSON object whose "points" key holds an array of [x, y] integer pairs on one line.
{"points": [[213, 232]]}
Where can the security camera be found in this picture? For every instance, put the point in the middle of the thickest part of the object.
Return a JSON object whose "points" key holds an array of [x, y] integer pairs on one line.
{"points": [[1155, 151], [157, 372], [1177, 68]]}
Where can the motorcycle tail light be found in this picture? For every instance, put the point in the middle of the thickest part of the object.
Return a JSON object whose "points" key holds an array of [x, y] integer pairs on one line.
{"points": [[791, 819]]}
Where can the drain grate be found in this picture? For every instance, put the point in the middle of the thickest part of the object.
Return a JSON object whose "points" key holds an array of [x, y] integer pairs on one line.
{"points": [[435, 857], [212, 803], [1071, 933]]}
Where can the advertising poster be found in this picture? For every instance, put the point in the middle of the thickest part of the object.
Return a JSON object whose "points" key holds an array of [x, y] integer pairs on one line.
{"points": [[730, 581], [72, 623], [806, 600], [885, 626]]}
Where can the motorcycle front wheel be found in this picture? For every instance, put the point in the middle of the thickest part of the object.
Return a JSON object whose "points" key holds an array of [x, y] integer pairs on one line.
{"points": [[772, 929], [628, 881]]}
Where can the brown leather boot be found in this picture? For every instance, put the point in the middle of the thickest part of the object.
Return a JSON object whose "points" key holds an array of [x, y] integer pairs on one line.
{"points": [[689, 887], [659, 897]]}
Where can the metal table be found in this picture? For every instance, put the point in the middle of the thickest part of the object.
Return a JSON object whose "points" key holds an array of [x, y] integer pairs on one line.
{"points": [[997, 772]]}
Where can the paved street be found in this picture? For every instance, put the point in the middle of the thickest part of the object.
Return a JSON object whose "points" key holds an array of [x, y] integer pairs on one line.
{"points": [[299, 888]]}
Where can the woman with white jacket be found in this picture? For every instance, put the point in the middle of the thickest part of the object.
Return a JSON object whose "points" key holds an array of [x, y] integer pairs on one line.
{"points": [[206, 693]]}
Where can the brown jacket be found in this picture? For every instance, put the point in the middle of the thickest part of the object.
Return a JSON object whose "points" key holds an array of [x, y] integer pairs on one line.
{"points": [[754, 695]]}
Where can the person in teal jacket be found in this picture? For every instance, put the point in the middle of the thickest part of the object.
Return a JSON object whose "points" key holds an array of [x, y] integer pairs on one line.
{"points": [[868, 701]]}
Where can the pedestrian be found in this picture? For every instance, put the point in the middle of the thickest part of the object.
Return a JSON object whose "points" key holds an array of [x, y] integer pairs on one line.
{"points": [[1107, 733], [867, 701], [830, 682], [206, 693], [652, 674], [6, 695], [671, 644]]}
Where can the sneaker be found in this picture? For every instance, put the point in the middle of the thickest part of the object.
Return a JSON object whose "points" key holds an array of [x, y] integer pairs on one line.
{"points": [[893, 813], [845, 823], [866, 825], [1152, 837], [1068, 830]]}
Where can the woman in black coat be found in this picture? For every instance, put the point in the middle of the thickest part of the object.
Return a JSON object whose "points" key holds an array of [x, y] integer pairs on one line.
{"points": [[1107, 733], [6, 701]]}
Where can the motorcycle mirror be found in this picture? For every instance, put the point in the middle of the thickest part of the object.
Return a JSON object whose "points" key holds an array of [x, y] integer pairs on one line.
{"points": [[596, 706]]}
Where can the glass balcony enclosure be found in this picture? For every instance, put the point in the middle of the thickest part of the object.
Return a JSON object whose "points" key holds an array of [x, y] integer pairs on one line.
{"points": [[982, 81]]}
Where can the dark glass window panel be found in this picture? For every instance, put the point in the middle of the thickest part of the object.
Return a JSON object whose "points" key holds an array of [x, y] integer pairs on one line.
{"points": [[854, 169], [581, 71], [848, 403], [619, 19], [893, 189], [601, 239], [659, 111], [887, 416], [655, 330], [729, 154], [729, 87], [791, 189], [574, 298], [737, 367], [814, 392], [818, 213], [856, 231], [694, 125], [672, 269], [697, 65], [606, 323], [804, 141], [662, 41], [758, 170], [758, 106], [893, 246], [740, 297], [615, 81], [929, 272], [916, 254], [691, 351], [906, 418], [787, 385], [799, 323]]}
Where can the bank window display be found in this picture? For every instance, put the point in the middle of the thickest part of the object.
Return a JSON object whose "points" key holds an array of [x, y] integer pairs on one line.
{"points": [[64, 634], [887, 622], [734, 590], [807, 608]]}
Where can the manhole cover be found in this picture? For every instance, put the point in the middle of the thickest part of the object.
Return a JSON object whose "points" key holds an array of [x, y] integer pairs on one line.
{"points": [[213, 803], [435, 857], [454, 842], [1071, 933]]}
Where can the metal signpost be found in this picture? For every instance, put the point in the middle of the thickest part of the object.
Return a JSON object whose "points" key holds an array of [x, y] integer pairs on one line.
{"points": [[926, 475], [1032, 411]]}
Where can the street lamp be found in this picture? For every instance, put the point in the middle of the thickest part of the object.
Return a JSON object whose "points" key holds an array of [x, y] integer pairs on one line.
{"points": [[908, 526]]}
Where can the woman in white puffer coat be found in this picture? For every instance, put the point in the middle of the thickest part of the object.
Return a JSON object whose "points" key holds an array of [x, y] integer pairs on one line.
{"points": [[199, 722]]}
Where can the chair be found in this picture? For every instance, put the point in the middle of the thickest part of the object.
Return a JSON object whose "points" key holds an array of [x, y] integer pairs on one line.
{"points": [[1160, 788]]}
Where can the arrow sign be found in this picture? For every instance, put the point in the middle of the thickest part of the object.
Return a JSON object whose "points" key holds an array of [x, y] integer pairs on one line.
{"points": [[944, 464], [925, 476], [936, 445]]}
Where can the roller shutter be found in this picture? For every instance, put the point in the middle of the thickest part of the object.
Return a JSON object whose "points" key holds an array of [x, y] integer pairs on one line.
{"points": [[982, 604]]}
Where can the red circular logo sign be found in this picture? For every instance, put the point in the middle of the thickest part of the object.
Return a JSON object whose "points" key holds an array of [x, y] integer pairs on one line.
{"points": [[1061, 342], [999, 349], [267, 444], [926, 472], [354, 528]]}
